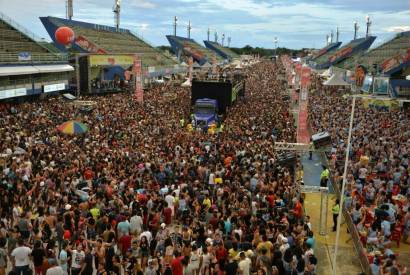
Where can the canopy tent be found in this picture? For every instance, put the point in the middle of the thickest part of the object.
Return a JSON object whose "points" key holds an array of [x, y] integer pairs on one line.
{"points": [[336, 80], [326, 73], [183, 64], [187, 83], [196, 65], [206, 65]]}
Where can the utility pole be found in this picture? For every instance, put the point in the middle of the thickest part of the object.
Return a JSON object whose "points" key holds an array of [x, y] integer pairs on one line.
{"points": [[209, 32], [175, 25]]}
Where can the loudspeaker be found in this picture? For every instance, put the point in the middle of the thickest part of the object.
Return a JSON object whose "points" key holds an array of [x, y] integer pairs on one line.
{"points": [[321, 140]]}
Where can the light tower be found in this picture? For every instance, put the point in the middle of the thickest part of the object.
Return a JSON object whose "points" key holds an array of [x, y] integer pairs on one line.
{"points": [[331, 36], [223, 38], [175, 25], [69, 9], [216, 37], [117, 12], [275, 41], [337, 34], [368, 23], [356, 28], [327, 39], [189, 29], [209, 32], [229, 41]]}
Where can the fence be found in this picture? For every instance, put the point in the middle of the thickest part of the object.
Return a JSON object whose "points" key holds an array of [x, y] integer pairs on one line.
{"points": [[351, 227]]}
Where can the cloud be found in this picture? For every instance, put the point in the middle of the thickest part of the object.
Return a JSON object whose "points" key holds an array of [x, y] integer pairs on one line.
{"points": [[397, 29], [142, 4]]}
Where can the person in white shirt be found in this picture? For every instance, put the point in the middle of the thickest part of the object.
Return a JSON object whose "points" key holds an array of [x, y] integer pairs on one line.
{"points": [[136, 224], [77, 256], [147, 235], [244, 264], [54, 269], [20, 257]]}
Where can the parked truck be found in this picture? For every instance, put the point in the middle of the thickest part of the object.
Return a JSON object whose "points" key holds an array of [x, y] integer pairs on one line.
{"points": [[211, 99]]}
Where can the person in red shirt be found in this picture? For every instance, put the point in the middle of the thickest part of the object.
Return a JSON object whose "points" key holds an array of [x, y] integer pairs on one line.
{"points": [[298, 209], [167, 212], [214, 220], [176, 264], [125, 243], [221, 253]]}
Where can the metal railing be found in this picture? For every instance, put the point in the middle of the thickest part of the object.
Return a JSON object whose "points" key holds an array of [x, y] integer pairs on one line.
{"points": [[357, 244], [7, 58]]}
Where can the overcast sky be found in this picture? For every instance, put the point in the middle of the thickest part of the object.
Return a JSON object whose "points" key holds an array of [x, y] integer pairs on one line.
{"points": [[296, 23]]}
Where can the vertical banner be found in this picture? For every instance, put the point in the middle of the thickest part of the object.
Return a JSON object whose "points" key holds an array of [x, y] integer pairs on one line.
{"points": [[136, 71], [214, 68], [190, 64], [305, 80], [298, 71]]}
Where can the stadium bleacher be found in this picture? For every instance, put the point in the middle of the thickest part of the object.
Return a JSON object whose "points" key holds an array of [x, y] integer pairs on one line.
{"points": [[396, 46], [28, 66], [189, 47], [353, 48], [112, 41], [224, 52]]}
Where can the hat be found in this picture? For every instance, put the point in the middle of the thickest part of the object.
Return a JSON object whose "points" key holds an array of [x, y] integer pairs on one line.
{"points": [[67, 207], [209, 240], [163, 225], [42, 183]]}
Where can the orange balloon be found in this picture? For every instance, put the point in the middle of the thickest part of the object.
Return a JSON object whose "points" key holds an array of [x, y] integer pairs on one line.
{"points": [[64, 35]]}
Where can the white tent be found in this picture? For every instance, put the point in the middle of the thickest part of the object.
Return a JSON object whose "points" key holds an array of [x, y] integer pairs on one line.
{"points": [[183, 64], [336, 80], [187, 83], [326, 73], [207, 65], [196, 65]]}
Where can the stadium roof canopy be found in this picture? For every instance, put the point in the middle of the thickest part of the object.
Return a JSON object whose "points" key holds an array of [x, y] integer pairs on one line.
{"points": [[224, 52]]}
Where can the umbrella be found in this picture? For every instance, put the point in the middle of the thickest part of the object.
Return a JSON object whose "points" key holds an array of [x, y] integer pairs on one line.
{"points": [[72, 127]]}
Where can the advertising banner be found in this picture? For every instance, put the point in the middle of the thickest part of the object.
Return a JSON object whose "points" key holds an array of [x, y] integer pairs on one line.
{"points": [[396, 61], [87, 45], [136, 71], [107, 60], [53, 87], [24, 56], [13, 93], [340, 54], [305, 77]]}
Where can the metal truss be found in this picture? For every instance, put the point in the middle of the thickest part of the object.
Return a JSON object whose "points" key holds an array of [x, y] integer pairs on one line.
{"points": [[302, 147]]}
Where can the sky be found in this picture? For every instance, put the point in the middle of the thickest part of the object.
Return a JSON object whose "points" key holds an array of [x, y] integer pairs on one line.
{"points": [[296, 23]]}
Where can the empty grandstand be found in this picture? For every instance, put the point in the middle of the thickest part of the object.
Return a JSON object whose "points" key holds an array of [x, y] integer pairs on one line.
{"points": [[184, 48], [94, 38], [28, 67], [376, 57], [352, 48], [224, 52]]}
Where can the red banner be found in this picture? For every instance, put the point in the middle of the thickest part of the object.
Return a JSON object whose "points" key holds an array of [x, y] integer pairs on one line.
{"points": [[87, 45], [341, 53], [136, 71], [396, 61], [197, 54], [305, 79]]}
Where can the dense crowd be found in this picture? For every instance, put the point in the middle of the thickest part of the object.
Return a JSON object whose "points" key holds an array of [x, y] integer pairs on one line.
{"points": [[377, 189], [139, 194]]}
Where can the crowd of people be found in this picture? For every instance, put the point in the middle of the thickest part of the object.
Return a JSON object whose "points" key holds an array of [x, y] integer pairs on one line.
{"points": [[139, 194], [377, 189]]}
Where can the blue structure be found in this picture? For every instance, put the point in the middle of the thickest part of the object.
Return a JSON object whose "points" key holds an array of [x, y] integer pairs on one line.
{"points": [[324, 51]]}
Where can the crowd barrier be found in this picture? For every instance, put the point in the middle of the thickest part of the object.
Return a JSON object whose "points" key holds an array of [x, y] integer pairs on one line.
{"points": [[357, 244]]}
